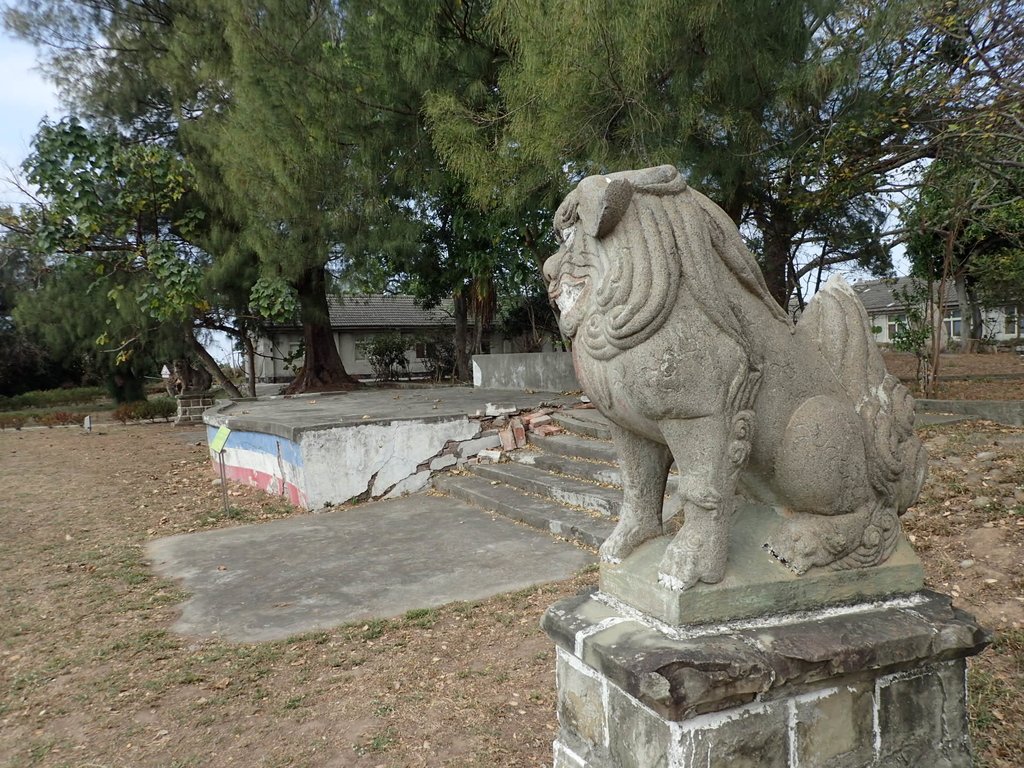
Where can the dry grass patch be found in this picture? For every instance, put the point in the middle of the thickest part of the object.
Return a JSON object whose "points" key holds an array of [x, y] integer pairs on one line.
{"points": [[91, 676]]}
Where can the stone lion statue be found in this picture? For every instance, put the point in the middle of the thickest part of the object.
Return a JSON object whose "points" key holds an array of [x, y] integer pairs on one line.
{"points": [[678, 342]]}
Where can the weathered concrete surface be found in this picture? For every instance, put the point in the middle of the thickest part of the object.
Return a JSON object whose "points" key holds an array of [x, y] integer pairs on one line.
{"points": [[757, 584], [272, 580], [288, 417], [322, 450], [541, 371]]}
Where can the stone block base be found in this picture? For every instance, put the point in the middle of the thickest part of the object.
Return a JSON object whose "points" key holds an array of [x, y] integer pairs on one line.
{"points": [[879, 684], [755, 583], [192, 406]]}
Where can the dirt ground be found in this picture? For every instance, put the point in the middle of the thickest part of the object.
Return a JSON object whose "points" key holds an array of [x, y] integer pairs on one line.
{"points": [[966, 377], [91, 677]]}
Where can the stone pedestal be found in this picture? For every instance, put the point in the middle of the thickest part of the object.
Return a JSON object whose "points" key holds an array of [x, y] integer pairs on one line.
{"points": [[191, 406], [869, 684]]}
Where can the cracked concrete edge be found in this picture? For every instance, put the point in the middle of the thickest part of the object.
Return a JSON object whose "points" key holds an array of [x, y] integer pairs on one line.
{"points": [[744, 661]]}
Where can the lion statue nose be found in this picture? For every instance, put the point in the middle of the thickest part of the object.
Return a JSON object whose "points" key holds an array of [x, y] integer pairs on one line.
{"points": [[551, 268]]}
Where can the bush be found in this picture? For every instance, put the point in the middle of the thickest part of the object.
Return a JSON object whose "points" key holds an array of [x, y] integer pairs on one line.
{"points": [[440, 358], [150, 410], [158, 408], [386, 355], [48, 398], [11, 422]]}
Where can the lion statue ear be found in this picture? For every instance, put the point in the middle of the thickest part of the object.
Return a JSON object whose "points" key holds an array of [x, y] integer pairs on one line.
{"points": [[602, 202]]}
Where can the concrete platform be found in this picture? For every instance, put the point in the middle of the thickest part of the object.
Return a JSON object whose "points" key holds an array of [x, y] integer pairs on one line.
{"points": [[289, 417], [268, 581], [320, 450]]}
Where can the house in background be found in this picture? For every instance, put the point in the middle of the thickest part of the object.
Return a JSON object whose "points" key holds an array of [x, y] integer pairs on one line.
{"points": [[354, 319], [1002, 325], [357, 319]]}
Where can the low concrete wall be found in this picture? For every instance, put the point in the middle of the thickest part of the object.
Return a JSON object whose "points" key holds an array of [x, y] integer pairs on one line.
{"points": [[324, 467], [542, 371], [1009, 412]]}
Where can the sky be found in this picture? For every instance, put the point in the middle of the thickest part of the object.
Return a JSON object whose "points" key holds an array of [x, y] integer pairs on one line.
{"points": [[25, 99]]}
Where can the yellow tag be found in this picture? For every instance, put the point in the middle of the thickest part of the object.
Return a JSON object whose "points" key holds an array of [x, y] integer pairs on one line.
{"points": [[217, 444]]}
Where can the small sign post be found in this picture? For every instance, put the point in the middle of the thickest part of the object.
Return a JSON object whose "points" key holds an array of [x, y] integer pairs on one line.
{"points": [[217, 446]]}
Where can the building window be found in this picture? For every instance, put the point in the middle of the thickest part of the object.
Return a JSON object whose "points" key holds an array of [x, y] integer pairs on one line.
{"points": [[896, 324], [421, 350], [951, 321], [1011, 321]]}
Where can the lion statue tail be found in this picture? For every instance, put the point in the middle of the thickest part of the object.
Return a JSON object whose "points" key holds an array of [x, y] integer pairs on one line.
{"points": [[836, 323]]}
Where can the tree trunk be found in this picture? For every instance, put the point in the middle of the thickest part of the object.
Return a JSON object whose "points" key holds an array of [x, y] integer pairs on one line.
{"points": [[210, 364], [322, 369], [968, 328], [250, 362], [461, 307], [949, 238], [778, 238]]}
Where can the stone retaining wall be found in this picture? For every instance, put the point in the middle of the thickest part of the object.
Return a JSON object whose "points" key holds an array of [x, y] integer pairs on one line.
{"points": [[192, 406], [539, 371]]}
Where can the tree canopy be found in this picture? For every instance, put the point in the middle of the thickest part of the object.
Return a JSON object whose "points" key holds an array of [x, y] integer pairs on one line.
{"points": [[387, 143]]}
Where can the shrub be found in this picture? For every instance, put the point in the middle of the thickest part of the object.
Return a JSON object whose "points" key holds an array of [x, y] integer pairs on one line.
{"points": [[126, 412], [11, 422], [150, 410], [48, 398], [386, 355], [66, 417], [158, 408], [439, 361]]}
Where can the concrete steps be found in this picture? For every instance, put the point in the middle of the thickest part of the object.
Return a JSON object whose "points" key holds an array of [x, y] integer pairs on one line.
{"points": [[564, 490], [580, 447], [588, 423], [568, 484], [581, 469], [571, 524]]}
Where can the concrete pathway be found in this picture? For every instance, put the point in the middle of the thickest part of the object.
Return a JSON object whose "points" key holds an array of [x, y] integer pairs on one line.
{"points": [[271, 580]]}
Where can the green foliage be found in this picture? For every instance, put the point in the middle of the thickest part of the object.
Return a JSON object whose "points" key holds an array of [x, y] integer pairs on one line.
{"points": [[274, 299], [112, 226], [386, 355], [73, 318], [914, 332], [796, 117], [49, 398], [146, 410], [103, 194], [440, 360]]}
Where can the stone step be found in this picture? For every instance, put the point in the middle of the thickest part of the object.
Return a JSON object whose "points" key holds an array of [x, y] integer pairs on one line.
{"points": [[545, 515], [586, 422], [582, 469], [564, 490], [591, 471], [570, 445]]}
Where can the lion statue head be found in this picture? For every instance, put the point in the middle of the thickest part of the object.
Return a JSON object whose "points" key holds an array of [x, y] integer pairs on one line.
{"points": [[629, 243]]}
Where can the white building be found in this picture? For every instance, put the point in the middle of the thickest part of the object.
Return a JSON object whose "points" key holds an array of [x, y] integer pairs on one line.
{"points": [[1003, 324], [358, 319]]}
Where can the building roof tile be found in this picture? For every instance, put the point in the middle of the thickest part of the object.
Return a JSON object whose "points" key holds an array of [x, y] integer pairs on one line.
{"points": [[381, 311]]}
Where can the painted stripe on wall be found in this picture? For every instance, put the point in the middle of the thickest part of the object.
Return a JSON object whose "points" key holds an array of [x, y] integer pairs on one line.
{"points": [[269, 483], [261, 443], [270, 463]]}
